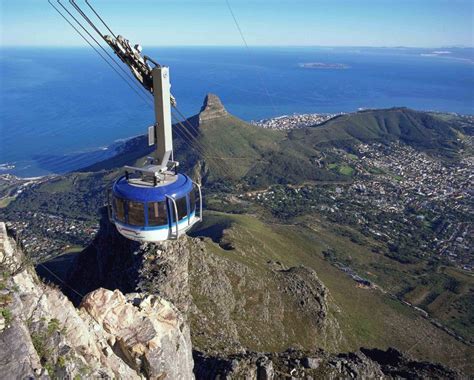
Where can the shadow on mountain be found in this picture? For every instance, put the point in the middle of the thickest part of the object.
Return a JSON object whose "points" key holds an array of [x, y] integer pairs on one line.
{"points": [[110, 261], [215, 231]]}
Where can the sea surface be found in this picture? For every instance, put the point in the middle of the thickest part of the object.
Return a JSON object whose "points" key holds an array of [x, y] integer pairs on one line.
{"points": [[62, 109]]}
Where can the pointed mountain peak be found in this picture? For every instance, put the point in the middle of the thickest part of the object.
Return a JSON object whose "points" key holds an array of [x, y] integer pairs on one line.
{"points": [[212, 108]]}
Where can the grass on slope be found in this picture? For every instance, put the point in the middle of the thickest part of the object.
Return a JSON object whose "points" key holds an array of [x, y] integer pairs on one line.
{"points": [[367, 317], [445, 292], [414, 128], [236, 144]]}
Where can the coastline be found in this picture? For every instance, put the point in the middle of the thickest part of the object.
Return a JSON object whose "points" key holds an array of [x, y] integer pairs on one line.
{"points": [[94, 155], [63, 164]]}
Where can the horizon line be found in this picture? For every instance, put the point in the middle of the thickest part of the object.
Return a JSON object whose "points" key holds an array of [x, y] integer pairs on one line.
{"points": [[259, 46]]}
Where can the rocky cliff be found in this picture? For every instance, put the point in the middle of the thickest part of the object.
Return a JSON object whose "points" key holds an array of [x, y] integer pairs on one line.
{"points": [[294, 364], [111, 335], [212, 109]]}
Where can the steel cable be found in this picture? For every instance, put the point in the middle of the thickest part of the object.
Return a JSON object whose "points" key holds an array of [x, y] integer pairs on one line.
{"points": [[97, 51], [127, 73], [85, 17], [100, 18]]}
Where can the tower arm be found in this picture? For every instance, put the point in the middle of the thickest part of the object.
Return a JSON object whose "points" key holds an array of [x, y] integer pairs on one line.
{"points": [[155, 80], [139, 65]]}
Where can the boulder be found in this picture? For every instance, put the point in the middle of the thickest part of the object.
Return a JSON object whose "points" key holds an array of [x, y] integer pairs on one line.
{"points": [[112, 335], [149, 332]]}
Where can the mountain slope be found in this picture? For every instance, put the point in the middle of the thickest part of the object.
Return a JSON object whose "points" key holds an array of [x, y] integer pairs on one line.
{"points": [[417, 129], [238, 144], [250, 254]]}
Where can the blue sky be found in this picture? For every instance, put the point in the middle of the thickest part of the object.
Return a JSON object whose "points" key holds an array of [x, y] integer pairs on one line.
{"points": [[420, 23]]}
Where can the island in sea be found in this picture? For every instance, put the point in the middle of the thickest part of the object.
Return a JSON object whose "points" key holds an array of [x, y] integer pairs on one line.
{"points": [[323, 66]]}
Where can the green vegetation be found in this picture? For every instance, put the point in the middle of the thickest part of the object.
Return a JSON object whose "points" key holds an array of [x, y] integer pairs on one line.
{"points": [[417, 129], [342, 169], [7, 315], [4, 202], [240, 144], [366, 317], [346, 170], [43, 338]]}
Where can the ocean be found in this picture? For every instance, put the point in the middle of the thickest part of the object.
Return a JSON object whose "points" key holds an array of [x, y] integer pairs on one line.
{"points": [[63, 108]]}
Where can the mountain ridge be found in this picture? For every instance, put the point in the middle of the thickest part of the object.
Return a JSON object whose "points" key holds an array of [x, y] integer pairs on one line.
{"points": [[244, 150]]}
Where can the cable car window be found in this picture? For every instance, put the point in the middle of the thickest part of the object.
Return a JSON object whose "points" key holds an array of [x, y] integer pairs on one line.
{"points": [[192, 200], [182, 208], [157, 214], [119, 208], [136, 213]]}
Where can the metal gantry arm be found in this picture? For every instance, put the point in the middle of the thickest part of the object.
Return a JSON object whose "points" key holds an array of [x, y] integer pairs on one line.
{"points": [[154, 79], [131, 56], [139, 65]]}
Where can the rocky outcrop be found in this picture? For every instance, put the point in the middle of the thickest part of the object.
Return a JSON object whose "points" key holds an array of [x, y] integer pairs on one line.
{"points": [[110, 336], [147, 332], [212, 109], [114, 262], [164, 271], [309, 293], [294, 364], [239, 307]]}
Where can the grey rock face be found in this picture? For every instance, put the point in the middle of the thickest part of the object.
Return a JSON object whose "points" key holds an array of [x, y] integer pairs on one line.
{"points": [[18, 356], [312, 363], [304, 286], [212, 109], [294, 364], [113, 262], [110, 336], [149, 332], [164, 271]]}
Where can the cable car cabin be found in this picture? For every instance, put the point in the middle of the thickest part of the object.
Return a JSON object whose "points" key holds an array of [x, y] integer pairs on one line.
{"points": [[154, 213]]}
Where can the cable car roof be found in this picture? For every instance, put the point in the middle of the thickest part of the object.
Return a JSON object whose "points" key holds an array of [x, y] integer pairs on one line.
{"points": [[179, 188]]}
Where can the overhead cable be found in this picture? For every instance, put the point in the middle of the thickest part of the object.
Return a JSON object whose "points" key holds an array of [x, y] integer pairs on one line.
{"points": [[95, 49], [251, 54], [126, 73], [100, 18]]}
